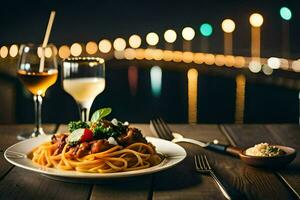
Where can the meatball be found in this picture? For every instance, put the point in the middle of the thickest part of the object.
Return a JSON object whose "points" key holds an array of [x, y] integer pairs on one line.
{"points": [[100, 145], [132, 135]]}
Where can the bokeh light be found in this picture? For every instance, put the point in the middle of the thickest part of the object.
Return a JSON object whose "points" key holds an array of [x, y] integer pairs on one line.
{"points": [[206, 29], [149, 53], [274, 63], [91, 47], [240, 81], [170, 36], [177, 56], [64, 52], [135, 41], [119, 55], [239, 61], [76, 49], [220, 60], [158, 54], [187, 57], [285, 13], [198, 58], [119, 44], [256, 20], [129, 54], [254, 66], [167, 55], [39, 51], [152, 39], [209, 59], [133, 79], [229, 60], [228, 26], [156, 80], [188, 33], [267, 70], [284, 64], [296, 65], [105, 46], [3, 52], [192, 74], [48, 52], [54, 50], [140, 54], [13, 50]]}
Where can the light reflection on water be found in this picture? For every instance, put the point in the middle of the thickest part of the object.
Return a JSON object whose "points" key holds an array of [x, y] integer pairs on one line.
{"points": [[137, 92], [133, 79], [156, 80], [193, 88], [192, 76], [240, 98]]}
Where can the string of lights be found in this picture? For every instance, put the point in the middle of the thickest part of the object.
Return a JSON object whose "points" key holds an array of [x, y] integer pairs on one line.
{"points": [[131, 50]]}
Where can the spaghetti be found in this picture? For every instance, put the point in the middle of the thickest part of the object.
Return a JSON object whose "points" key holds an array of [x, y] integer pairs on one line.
{"points": [[117, 158], [98, 146]]}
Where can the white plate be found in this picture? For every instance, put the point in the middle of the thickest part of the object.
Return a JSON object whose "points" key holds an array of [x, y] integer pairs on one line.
{"points": [[16, 154]]}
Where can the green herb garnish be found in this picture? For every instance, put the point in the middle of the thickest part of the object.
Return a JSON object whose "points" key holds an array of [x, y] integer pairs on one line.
{"points": [[73, 125], [100, 127], [105, 129], [99, 114]]}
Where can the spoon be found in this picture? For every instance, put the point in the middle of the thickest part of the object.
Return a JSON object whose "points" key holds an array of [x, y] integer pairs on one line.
{"points": [[258, 161]]}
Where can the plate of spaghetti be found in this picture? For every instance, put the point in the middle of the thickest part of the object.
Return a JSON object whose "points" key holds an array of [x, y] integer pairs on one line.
{"points": [[97, 149]]}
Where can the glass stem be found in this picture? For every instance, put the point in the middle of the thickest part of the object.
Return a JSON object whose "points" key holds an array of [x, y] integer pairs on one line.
{"points": [[38, 115], [84, 113]]}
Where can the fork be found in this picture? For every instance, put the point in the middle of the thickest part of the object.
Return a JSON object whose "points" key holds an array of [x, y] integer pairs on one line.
{"points": [[164, 131], [161, 128], [203, 166]]}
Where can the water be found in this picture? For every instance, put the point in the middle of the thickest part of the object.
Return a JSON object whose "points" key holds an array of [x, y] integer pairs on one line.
{"points": [[223, 96]]}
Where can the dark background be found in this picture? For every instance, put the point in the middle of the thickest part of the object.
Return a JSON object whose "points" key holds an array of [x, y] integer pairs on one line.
{"points": [[83, 21]]}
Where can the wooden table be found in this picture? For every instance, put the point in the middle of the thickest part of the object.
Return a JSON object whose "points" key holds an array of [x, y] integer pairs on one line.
{"points": [[180, 182]]}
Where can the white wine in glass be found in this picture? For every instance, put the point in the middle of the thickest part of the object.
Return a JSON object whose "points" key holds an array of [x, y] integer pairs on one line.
{"points": [[37, 69], [84, 78]]}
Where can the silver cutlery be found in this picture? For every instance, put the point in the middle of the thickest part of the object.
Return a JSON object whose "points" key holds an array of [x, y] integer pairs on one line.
{"points": [[160, 127], [203, 166]]}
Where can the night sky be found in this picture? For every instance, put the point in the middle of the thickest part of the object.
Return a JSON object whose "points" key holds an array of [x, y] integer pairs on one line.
{"points": [[82, 21]]}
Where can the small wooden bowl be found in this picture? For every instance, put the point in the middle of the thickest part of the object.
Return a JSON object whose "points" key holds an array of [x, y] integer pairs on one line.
{"points": [[269, 162]]}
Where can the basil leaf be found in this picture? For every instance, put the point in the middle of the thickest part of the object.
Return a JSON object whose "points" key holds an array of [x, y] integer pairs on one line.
{"points": [[99, 114]]}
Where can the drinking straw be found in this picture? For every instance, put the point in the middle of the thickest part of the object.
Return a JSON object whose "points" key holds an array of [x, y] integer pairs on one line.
{"points": [[46, 38]]}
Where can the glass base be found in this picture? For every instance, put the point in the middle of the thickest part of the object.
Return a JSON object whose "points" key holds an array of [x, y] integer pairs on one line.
{"points": [[35, 133]]}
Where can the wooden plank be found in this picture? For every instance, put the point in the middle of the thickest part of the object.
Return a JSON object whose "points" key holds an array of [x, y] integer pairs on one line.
{"points": [[9, 137], [289, 135], [248, 135], [23, 184], [241, 181], [127, 188], [9, 133]]}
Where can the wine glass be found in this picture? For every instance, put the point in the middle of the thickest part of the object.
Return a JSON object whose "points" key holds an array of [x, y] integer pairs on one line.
{"points": [[37, 70], [83, 78]]}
